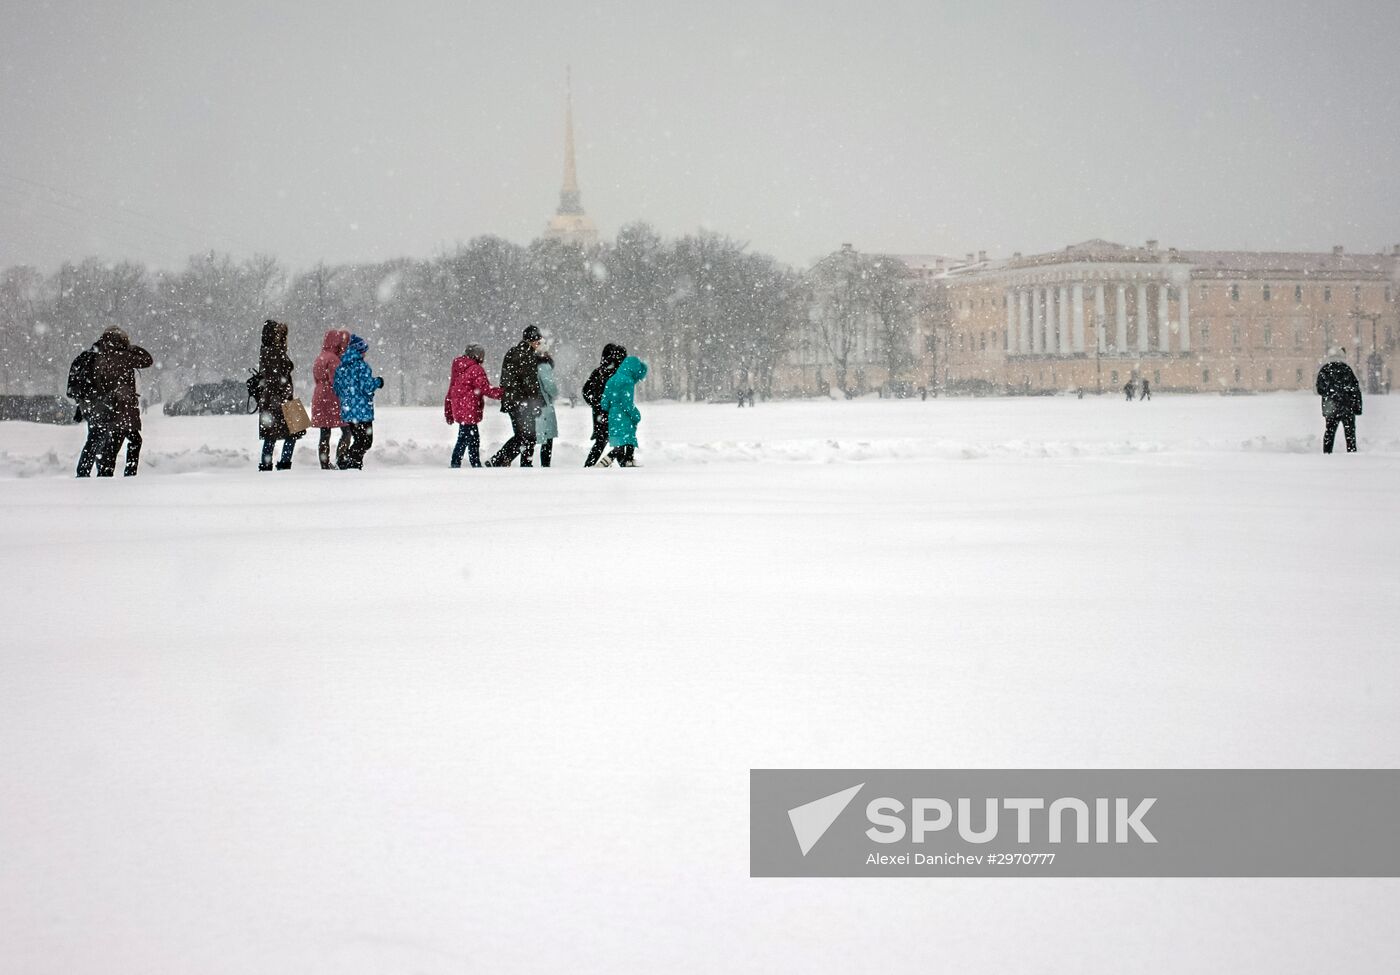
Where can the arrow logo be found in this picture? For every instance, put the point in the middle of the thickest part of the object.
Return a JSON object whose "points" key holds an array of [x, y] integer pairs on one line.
{"points": [[811, 820]]}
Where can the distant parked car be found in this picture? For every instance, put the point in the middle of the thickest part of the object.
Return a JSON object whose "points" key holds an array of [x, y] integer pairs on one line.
{"points": [[213, 399], [37, 409]]}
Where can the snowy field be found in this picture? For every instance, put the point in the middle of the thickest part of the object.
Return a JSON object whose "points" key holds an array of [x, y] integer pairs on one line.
{"points": [[430, 721]]}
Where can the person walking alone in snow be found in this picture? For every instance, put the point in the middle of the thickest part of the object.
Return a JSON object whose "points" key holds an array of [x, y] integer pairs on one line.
{"points": [[547, 423], [619, 400], [325, 405], [102, 380], [274, 389], [463, 404], [1341, 399], [1146, 393], [355, 386], [593, 395], [520, 399]]}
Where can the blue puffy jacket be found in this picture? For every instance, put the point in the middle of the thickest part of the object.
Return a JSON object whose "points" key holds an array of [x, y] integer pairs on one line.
{"points": [[620, 404], [355, 383]]}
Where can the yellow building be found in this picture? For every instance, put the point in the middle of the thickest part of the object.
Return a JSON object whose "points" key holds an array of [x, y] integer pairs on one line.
{"points": [[1098, 314]]}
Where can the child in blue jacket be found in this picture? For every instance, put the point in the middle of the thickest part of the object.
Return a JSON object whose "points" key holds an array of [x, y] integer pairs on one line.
{"points": [[355, 385], [620, 404]]}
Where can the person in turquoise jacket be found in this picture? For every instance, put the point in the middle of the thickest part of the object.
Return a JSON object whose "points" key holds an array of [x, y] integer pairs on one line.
{"points": [[619, 402], [355, 385], [547, 423]]}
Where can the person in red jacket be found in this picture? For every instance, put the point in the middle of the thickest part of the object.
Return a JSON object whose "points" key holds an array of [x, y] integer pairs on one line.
{"points": [[463, 404], [325, 406]]}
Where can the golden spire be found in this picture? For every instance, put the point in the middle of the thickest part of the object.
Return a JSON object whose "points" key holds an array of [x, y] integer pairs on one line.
{"points": [[570, 194]]}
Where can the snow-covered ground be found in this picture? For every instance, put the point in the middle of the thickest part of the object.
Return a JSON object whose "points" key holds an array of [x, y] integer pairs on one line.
{"points": [[421, 720]]}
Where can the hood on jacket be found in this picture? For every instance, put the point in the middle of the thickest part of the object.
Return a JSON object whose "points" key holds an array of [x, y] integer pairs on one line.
{"points": [[355, 348], [274, 336], [111, 339], [632, 368], [335, 341], [612, 356], [1336, 353]]}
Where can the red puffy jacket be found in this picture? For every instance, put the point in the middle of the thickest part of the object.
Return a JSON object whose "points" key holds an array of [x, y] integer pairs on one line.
{"points": [[469, 384], [325, 407]]}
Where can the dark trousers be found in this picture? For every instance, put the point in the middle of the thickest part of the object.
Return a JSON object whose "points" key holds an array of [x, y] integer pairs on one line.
{"points": [[362, 435], [92, 448], [323, 449], [600, 438], [546, 452], [284, 463], [468, 442], [522, 439], [1348, 422], [111, 446], [623, 455]]}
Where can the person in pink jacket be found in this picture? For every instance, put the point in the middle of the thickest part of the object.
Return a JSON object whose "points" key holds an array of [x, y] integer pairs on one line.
{"points": [[325, 406], [463, 404]]}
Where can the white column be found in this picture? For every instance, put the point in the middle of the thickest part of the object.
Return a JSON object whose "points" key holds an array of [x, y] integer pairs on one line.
{"points": [[1052, 320], [1078, 318], [1120, 338], [1164, 334], [1037, 316], [1065, 345], [1183, 300], [1007, 297], [1100, 317], [1142, 317], [1023, 308]]}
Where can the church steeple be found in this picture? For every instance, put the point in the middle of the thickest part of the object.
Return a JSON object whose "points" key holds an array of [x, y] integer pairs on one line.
{"points": [[570, 224]]}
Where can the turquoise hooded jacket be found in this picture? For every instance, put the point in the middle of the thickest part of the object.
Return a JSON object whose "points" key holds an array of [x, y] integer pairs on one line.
{"points": [[620, 404]]}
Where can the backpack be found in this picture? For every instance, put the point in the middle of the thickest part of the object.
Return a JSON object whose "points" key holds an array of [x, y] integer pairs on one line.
{"points": [[252, 383], [82, 377]]}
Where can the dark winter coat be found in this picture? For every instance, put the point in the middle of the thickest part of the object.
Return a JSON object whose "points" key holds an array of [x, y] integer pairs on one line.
{"points": [[325, 406], [1337, 384], [274, 383], [463, 403], [110, 380], [619, 402], [355, 384], [520, 380], [598, 379]]}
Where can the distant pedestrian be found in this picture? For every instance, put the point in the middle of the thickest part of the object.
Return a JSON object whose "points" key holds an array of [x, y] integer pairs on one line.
{"points": [[355, 386], [520, 399], [1146, 393], [593, 395], [547, 423], [463, 404], [325, 406], [102, 381], [274, 388], [1341, 399], [1129, 389], [751, 400], [619, 400]]}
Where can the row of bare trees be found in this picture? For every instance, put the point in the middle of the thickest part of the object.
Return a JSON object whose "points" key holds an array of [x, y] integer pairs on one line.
{"points": [[708, 315]]}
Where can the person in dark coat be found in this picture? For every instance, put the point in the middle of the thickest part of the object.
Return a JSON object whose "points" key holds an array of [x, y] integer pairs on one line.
{"points": [[593, 396], [103, 382], [275, 388], [463, 404], [1129, 388], [520, 399], [1341, 399]]}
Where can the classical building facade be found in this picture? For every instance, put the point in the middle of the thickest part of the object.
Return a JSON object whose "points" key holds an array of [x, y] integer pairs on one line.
{"points": [[1098, 314]]}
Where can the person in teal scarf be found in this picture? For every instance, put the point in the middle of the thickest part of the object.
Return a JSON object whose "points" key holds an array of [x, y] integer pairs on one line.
{"points": [[619, 402]]}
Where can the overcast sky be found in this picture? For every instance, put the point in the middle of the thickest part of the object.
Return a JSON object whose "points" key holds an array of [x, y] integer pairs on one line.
{"points": [[362, 131]]}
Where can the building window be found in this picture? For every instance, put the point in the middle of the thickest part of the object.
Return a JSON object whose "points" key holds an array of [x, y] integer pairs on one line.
{"points": [[1205, 292], [1157, 376], [1205, 376], [1205, 333], [1387, 294], [1356, 295], [962, 342], [930, 343], [1237, 373], [984, 341], [1389, 337], [1297, 294], [1326, 294], [1268, 377], [1234, 292], [1268, 335], [1113, 378], [1268, 293], [1235, 334], [1299, 377]]}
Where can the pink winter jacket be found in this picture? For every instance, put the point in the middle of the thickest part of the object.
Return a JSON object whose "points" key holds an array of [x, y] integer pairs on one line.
{"points": [[469, 384], [325, 408]]}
